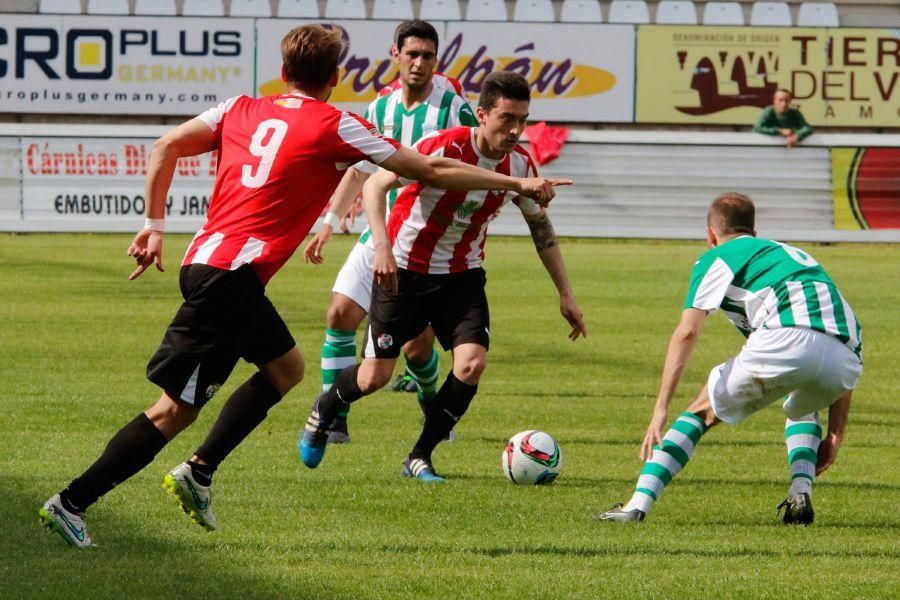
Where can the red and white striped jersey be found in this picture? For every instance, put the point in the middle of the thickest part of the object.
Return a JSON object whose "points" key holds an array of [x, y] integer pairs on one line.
{"points": [[280, 159], [439, 231], [439, 80]]}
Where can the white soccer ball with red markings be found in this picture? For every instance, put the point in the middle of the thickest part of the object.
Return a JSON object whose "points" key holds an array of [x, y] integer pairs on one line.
{"points": [[532, 458]]}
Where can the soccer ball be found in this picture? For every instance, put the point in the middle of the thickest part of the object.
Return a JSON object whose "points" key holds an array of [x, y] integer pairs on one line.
{"points": [[532, 457]]}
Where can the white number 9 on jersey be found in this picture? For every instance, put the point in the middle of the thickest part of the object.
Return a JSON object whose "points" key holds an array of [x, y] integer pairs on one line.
{"points": [[799, 255], [266, 152]]}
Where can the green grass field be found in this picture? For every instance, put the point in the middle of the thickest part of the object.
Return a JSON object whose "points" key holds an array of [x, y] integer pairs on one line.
{"points": [[75, 336]]}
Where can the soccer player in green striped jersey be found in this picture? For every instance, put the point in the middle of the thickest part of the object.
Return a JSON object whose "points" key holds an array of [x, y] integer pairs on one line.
{"points": [[803, 343], [421, 105]]}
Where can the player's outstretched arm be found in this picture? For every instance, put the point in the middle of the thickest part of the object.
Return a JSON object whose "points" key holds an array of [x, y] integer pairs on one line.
{"points": [[375, 202], [450, 174], [344, 196], [547, 247], [681, 345], [837, 424], [188, 139]]}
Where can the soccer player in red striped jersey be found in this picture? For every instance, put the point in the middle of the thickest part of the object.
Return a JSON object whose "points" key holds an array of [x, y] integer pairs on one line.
{"points": [[436, 238], [418, 106], [280, 158]]}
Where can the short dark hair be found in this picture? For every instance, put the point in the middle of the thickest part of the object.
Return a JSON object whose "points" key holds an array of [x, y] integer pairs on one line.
{"points": [[732, 213], [503, 84], [415, 28], [311, 54], [784, 91]]}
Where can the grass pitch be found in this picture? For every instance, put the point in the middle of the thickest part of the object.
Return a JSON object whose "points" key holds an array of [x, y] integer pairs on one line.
{"points": [[75, 336]]}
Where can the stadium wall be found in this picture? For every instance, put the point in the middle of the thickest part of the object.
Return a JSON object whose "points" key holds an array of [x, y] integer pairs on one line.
{"points": [[631, 183], [628, 184]]}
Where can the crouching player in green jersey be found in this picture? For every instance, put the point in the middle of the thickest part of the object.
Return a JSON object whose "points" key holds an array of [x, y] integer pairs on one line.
{"points": [[803, 344]]}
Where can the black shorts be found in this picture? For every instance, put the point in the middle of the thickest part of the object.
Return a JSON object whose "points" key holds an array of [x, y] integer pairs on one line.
{"points": [[455, 305], [225, 316]]}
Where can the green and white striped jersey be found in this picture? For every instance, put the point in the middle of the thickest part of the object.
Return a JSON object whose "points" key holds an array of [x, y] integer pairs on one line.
{"points": [[443, 109], [764, 284]]}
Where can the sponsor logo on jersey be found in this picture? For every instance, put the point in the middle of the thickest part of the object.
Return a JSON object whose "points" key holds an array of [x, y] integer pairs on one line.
{"points": [[466, 209]]}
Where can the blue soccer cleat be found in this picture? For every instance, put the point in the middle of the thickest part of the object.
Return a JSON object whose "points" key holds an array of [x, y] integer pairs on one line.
{"points": [[421, 469], [314, 439]]}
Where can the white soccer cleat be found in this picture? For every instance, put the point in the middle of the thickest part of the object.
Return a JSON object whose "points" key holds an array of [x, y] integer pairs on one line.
{"points": [[195, 499], [69, 525], [618, 513]]}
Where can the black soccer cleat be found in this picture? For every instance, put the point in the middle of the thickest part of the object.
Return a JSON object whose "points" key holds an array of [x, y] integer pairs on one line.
{"points": [[617, 514], [405, 383], [798, 509], [338, 432]]}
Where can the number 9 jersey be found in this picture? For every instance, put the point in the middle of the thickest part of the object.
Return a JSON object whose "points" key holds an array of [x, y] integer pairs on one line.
{"points": [[280, 159]]}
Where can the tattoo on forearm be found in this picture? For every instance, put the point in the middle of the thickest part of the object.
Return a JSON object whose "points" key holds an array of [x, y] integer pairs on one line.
{"points": [[542, 233]]}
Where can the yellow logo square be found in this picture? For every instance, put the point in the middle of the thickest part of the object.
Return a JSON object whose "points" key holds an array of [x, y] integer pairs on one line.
{"points": [[89, 54]]}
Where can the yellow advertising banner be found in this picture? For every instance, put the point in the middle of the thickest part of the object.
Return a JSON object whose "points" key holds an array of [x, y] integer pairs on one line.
{"points": [[841, 77]]}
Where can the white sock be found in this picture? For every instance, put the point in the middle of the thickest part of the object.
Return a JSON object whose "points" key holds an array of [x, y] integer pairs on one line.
{"points": [[800, 485], [639, 501]]}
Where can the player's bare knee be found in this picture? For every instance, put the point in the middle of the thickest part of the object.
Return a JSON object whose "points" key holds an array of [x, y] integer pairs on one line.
{"points": [[372, 381], [702, 407], [470, 370], [372, 376], [288, 378], [295, 373], [344, 314], [284, 372], [171, 416]]}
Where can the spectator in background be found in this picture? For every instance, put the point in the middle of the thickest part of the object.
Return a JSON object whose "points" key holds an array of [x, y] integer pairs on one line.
{"points": [[781, 119]]}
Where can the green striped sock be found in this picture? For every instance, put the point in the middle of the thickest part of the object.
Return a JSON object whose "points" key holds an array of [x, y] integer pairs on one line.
{"points": [[338, 351], [426, 376], [802, 438], [677, 449]]}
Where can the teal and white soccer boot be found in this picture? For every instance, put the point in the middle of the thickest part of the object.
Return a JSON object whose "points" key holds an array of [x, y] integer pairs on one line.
{"points": [[70, 526], [314, 438], [421, 469], [617, 514], [798, 509], [195, 499]]}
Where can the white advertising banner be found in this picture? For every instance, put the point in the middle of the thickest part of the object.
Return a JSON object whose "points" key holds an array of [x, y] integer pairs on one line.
{"points": [[99, 182], [577, 72], [365, 65], [122, 65]]}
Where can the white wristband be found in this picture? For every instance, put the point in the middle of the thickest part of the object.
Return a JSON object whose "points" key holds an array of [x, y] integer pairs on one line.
{"points": [[331, 219], [155, 225]]}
